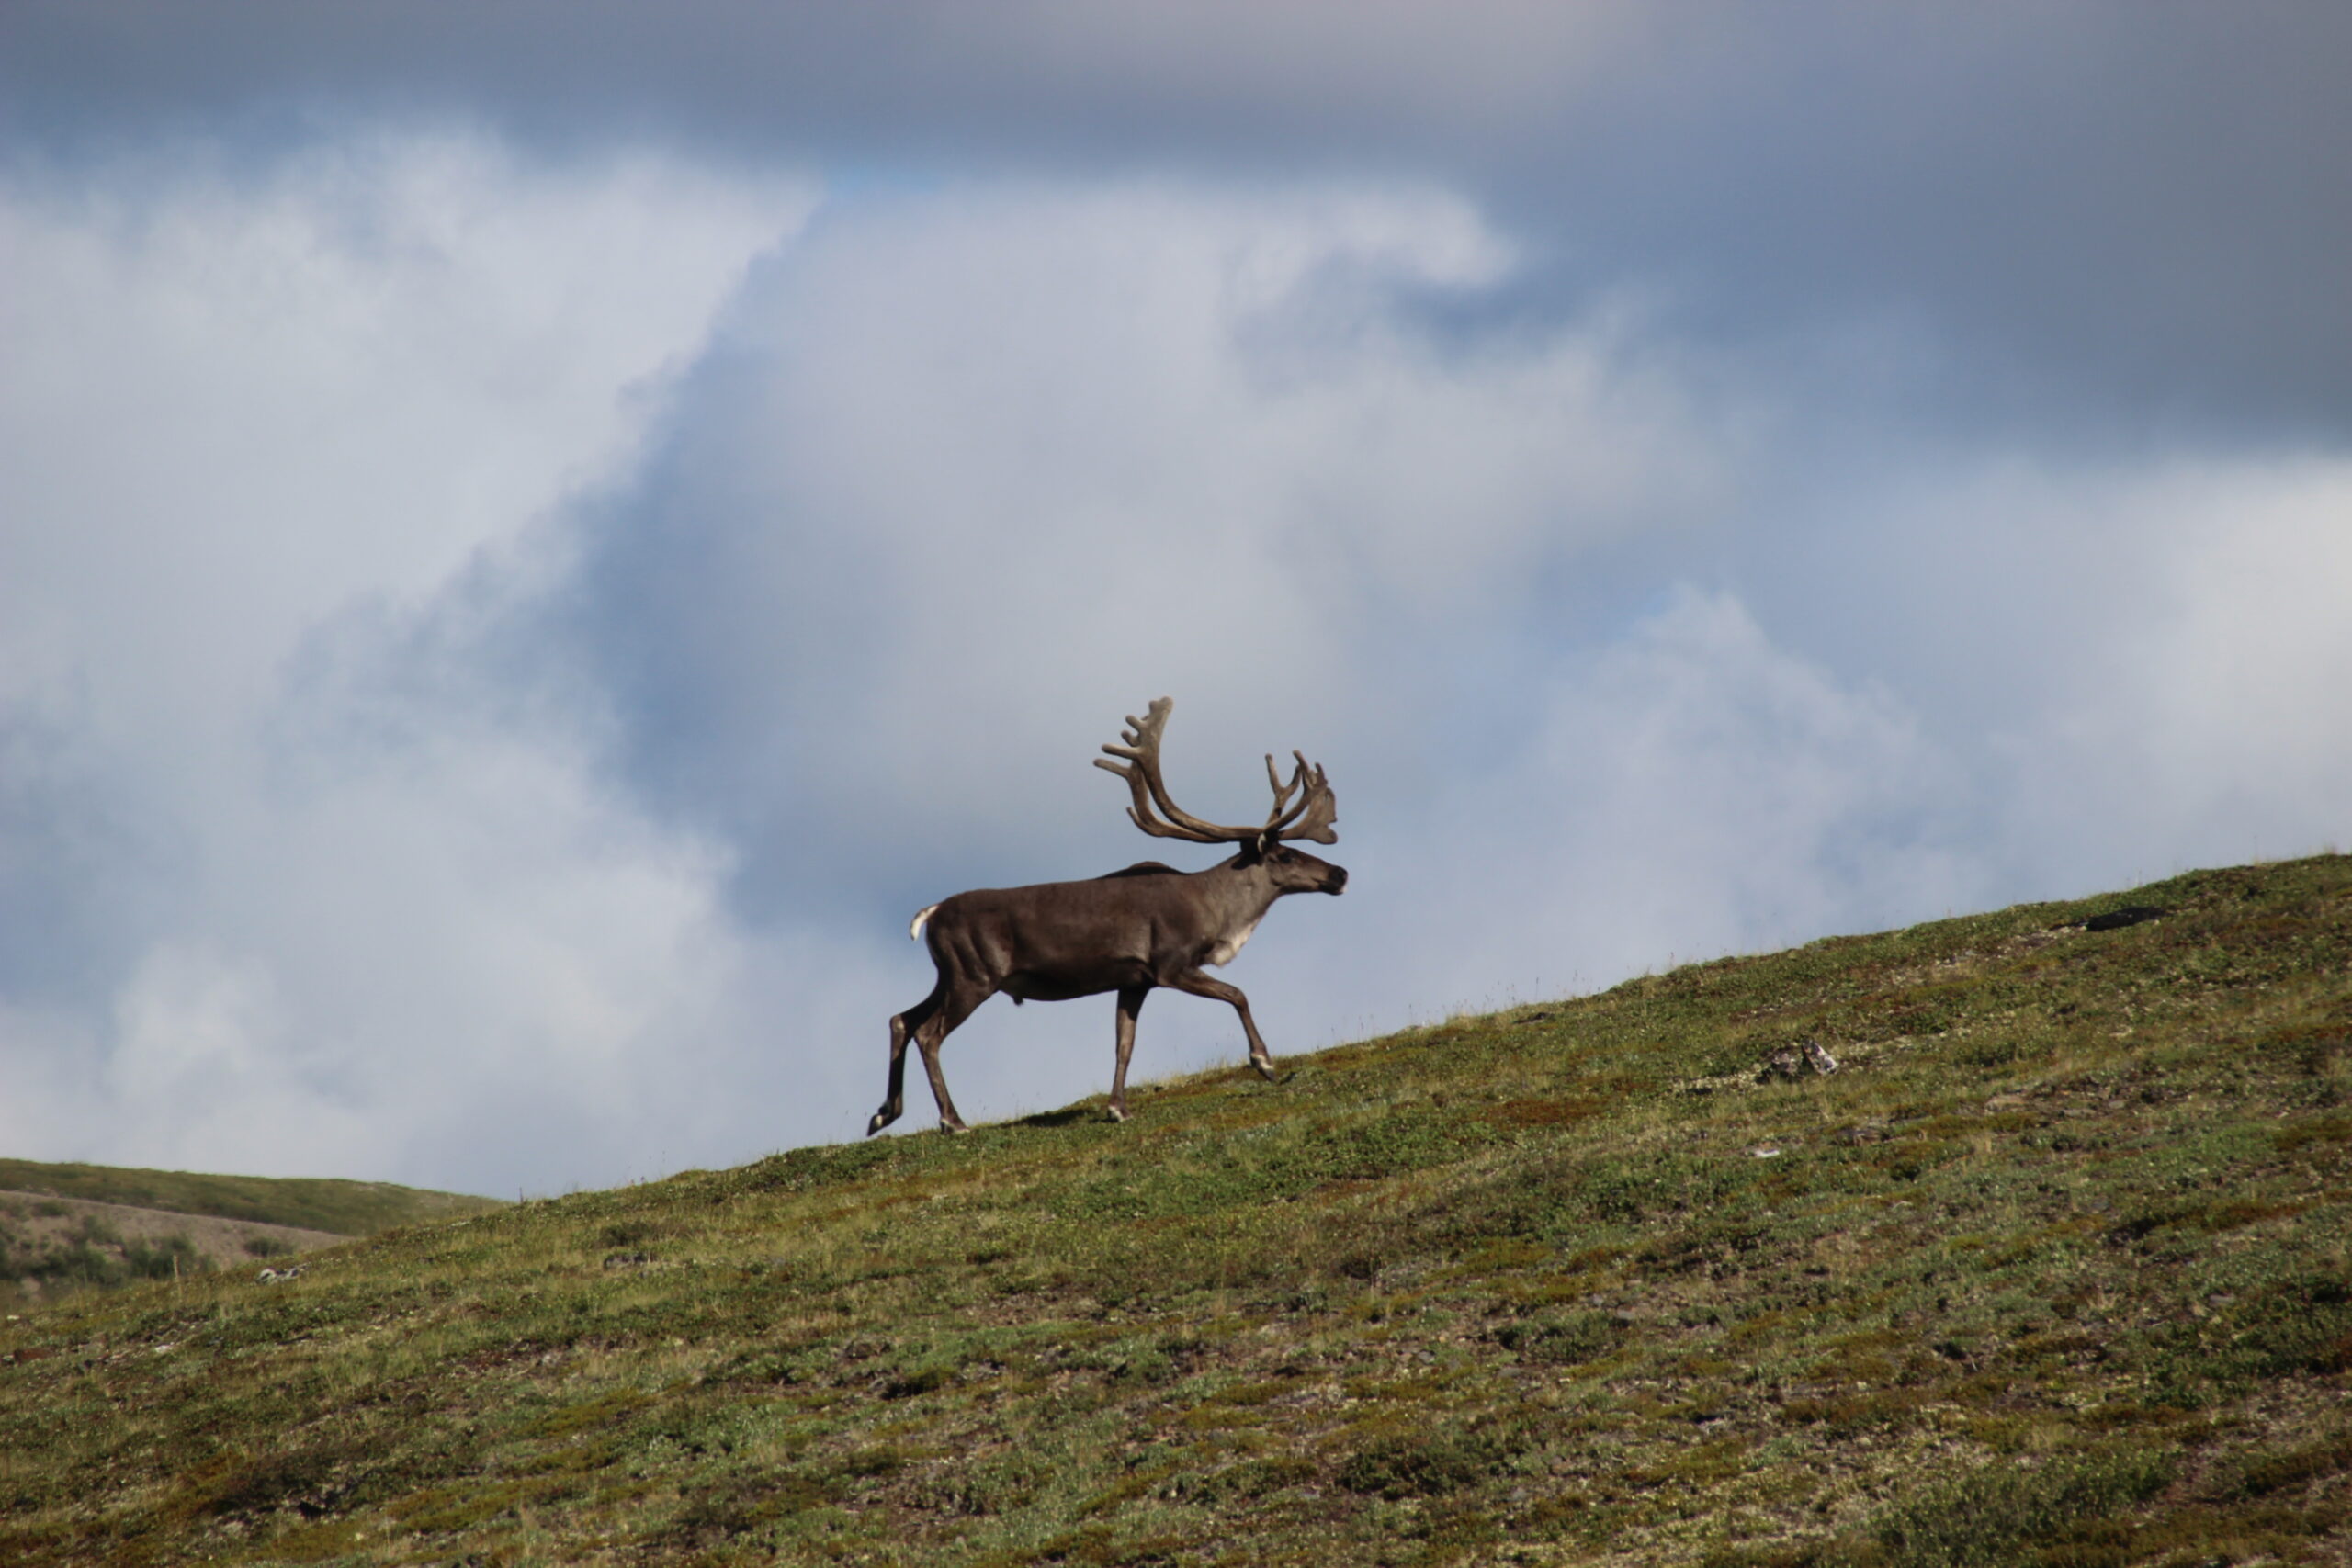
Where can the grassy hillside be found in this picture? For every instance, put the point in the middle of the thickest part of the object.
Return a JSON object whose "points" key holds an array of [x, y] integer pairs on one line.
{"points": [[68, 1228], [52, 1247], [2055, 1272], [346, 1207]]}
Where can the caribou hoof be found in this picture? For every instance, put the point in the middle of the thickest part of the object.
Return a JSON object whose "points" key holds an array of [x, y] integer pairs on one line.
{"points": [[1119, 1112], [1265, 1066], [881, 1119], [952, 1128]]}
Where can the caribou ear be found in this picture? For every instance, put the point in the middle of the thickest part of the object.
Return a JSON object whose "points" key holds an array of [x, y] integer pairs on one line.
{"points": [[1260, 845]]}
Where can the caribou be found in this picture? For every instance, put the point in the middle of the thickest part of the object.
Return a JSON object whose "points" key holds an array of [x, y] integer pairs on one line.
{"points": [[1131, 930]]}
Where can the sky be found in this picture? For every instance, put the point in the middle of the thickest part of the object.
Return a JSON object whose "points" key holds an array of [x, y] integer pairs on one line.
{"points": [[534, 536]]}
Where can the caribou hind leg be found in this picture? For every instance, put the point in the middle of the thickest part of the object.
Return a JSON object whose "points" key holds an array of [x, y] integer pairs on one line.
{"points": [[927, 1025], [902, 1027], [964, 983], [955, 999], [961, 997]]}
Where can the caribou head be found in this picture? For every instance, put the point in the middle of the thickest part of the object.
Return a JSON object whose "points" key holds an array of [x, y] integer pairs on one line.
{"points": [[1146, 926]]}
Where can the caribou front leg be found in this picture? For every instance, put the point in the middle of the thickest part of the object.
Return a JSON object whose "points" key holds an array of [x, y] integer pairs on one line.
{"points": [[1202, 985], [1130, 1004]]}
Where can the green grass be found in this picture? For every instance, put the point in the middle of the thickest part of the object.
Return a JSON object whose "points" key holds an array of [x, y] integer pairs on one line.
{"points": [[92, 1256], [346, 1207], [2057, 1271]]}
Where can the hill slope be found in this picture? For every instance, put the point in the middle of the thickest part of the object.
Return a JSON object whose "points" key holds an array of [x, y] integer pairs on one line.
{"points": [[345, 1208], [52, 1247], [65, 1228], [2055, 1271]]}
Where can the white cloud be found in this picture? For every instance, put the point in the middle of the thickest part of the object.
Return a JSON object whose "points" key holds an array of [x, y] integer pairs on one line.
{"points": [[1686, 790], [232, 403], [243, 414], [988, 463], [2196, 713]]}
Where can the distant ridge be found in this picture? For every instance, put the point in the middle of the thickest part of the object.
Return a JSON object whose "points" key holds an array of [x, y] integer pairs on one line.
{"points": [[319, 1203]]}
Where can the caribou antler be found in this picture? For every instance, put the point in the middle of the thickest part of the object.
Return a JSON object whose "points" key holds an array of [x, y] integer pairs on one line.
{"points": [[1142, 772], [1309, 816], [1316, 809]]}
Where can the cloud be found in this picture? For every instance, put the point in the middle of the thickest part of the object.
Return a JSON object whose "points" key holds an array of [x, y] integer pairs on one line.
{"points": [[1032, 73], [1686, 790], [2101, 213], [978, 465], [2201, 719], [248, 416]]}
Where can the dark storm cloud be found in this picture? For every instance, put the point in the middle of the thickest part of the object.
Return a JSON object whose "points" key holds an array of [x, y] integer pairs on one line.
{"points": [[1022, 79], [2130, 211], [2144, 206]]}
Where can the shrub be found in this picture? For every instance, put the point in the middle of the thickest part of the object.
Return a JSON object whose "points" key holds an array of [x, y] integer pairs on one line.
{"points": [[164, 1259], [1425, 1465], [1987, 1518], [1567, 1340]]}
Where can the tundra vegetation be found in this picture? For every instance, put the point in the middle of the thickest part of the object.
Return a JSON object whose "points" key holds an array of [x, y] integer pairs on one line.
{"points": [[66, 1228], [346, 1207], [2056, 1270]]}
